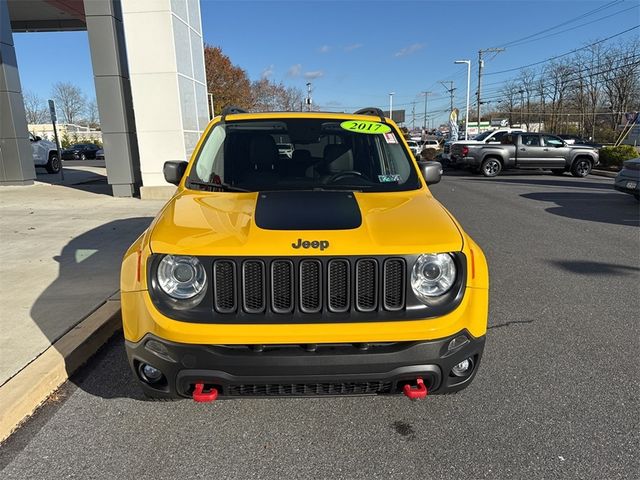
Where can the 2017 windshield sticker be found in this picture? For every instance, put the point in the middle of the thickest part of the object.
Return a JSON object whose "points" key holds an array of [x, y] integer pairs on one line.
{"points": [[390, 178], [364, 126]]}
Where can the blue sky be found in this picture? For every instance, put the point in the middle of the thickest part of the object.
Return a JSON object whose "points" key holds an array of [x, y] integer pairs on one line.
{"points": [[356, 52]]}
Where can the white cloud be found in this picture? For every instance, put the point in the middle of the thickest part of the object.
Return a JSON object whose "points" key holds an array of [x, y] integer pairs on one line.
{"points": [[268, 72], [409, 50], [352, 47], [313, 75], [295, 70], [324, 49]]}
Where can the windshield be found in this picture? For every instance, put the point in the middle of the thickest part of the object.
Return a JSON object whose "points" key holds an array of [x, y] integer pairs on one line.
{"points": [[482, 136], [247, 155]]}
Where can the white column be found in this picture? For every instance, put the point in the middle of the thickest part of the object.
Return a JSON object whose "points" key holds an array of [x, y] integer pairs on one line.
{"points": [[166, 65]]}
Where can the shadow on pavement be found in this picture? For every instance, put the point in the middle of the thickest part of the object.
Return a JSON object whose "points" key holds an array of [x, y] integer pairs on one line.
{"points": [[583, 267], [86, 178], [89, 272], [614, 208], [550, 181]]}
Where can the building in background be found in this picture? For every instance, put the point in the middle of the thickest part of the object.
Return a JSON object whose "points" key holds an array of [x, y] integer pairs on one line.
{"points": [[148, 66]]}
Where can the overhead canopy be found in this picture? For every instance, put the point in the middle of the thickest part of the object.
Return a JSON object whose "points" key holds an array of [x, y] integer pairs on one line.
{"points": [[46, 15]]}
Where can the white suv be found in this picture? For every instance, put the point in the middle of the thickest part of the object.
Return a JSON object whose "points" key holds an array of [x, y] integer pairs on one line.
{"points": [[45, 154]]}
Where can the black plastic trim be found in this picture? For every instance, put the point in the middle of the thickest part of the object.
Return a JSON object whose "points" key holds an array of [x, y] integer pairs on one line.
{"points": [[222, 366], [414, 309]]}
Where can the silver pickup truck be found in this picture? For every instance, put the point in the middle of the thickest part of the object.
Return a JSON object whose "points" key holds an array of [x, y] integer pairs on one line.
{"points": [[526, 150]]}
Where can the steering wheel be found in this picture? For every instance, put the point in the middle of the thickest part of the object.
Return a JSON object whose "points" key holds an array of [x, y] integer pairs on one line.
{"points": [[347, 173]]}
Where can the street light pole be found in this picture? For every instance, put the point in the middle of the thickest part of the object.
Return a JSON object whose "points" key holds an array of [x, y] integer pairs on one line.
{"points": [[391, 94], [426, 96], [466, 118]]}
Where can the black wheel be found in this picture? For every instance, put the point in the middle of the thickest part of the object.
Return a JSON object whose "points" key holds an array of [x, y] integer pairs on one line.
{"points": [[491, 167], [53, 166], [581, 167], [558, 172], [83, 157]]}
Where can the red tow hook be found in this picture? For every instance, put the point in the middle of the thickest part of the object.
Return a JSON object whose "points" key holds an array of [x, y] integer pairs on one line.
{"points": [[199, 395], [417, 393]]}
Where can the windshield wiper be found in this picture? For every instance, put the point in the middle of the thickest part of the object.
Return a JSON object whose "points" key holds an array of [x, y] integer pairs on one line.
{"points": [[222, 186]]}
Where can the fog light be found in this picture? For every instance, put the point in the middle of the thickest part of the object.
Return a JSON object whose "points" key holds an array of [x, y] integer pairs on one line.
{"points": [[463, 368], [149, 374]]}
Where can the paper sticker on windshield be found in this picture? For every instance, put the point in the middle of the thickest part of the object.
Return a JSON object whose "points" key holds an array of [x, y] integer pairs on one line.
{"points": [[390, 138], [390, 178], [364, 126]]}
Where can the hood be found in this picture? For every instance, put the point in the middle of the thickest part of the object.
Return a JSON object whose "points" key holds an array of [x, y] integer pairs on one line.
{"points": [[243, 224]]}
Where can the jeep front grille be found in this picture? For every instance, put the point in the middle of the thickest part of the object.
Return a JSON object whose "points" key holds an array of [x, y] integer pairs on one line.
{"points": [[309, 285], [310, 389]]}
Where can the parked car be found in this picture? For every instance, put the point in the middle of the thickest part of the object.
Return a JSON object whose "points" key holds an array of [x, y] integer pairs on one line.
{"points": [[490, 136], [45, 154], [628, 179], [577, 140], [430, 144], [285, 149], [526, 150], [80, 151], [268, 277], [414, 147], [100, 154]]}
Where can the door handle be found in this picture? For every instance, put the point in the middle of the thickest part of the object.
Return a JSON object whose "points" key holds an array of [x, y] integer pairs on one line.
{"points": [[546, 149], [523, 149]]}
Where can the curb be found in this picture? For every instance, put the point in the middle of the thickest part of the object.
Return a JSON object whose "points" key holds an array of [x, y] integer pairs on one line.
{"points": [[21, 395], [604, 173]]}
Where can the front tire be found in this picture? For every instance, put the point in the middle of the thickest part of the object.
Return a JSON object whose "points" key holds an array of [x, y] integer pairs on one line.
{"points": [[491, 167], [581, 167], [53, 165]]}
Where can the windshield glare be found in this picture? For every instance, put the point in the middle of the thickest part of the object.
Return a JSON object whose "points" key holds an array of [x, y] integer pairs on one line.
{"points": [[249, 155]]}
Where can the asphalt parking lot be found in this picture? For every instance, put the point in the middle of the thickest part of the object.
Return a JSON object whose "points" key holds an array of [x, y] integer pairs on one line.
{"points": [[556, 395]]}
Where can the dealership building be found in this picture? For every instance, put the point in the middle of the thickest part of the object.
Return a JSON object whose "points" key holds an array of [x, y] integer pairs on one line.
{"points": [[148, 67]]}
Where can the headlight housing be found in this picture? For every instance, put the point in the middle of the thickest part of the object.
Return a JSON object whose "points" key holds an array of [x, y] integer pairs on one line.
{"points": [[433, 275], [181, 277]]}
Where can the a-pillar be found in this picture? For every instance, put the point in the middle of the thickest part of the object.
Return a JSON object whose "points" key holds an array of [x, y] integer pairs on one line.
{"points": [[113, 94], [16, 159]]}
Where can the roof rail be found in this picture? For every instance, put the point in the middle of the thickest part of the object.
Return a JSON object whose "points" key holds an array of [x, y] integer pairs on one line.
{"points": [[231, 110], [371, 111]]}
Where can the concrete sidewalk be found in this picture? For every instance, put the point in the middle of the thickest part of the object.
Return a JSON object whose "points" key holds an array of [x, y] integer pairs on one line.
{"points": [[62, 246]]}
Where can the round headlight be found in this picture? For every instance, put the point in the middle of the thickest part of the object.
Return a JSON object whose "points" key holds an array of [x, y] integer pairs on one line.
{"points": [[433, 275], [181, 277]]}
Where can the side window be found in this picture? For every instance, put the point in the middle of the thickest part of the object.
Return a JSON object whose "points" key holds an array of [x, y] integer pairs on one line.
{"points": [[498, 137], [530, 140], [552, 141]]}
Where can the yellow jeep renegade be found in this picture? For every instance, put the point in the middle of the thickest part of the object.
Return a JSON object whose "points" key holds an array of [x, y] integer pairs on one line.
{"points": [[303, 254]]}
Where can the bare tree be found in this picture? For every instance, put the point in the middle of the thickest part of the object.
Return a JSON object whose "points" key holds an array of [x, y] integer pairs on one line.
{"points": [[509, 95], [35, 108], [620, 79], [70, 101], [527, 80], [93, 116]]}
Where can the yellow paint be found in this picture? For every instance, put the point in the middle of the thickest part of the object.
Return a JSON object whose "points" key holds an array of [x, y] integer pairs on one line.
{"points": [[223, 224], [365, 126]]}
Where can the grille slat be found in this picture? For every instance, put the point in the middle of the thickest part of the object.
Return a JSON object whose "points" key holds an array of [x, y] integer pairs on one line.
{"points": [[224, 286], [338, 285], [366, 284], [253, 286], [393, 288], [310, 286], [282, 286]]}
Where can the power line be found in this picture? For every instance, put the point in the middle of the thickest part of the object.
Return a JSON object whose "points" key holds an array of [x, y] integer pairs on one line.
{"points": [[564, 54], [586, 14]]}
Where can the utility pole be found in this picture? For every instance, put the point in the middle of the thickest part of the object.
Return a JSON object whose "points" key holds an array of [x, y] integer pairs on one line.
{"points": [[451, 89], [521, 92], [309, 100], [391, 94], [426, 96], [480, 67], [413, 115]]}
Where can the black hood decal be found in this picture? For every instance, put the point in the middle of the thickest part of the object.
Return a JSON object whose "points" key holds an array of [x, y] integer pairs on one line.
{"points": [[307, 210]]}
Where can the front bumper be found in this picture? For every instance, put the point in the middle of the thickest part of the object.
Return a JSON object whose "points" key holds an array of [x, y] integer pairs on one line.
{"points": [[303, 370]]}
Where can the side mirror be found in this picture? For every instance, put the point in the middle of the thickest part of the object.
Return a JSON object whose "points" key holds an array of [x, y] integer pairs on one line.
{"points": [[174, 171], [431, 171]]}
